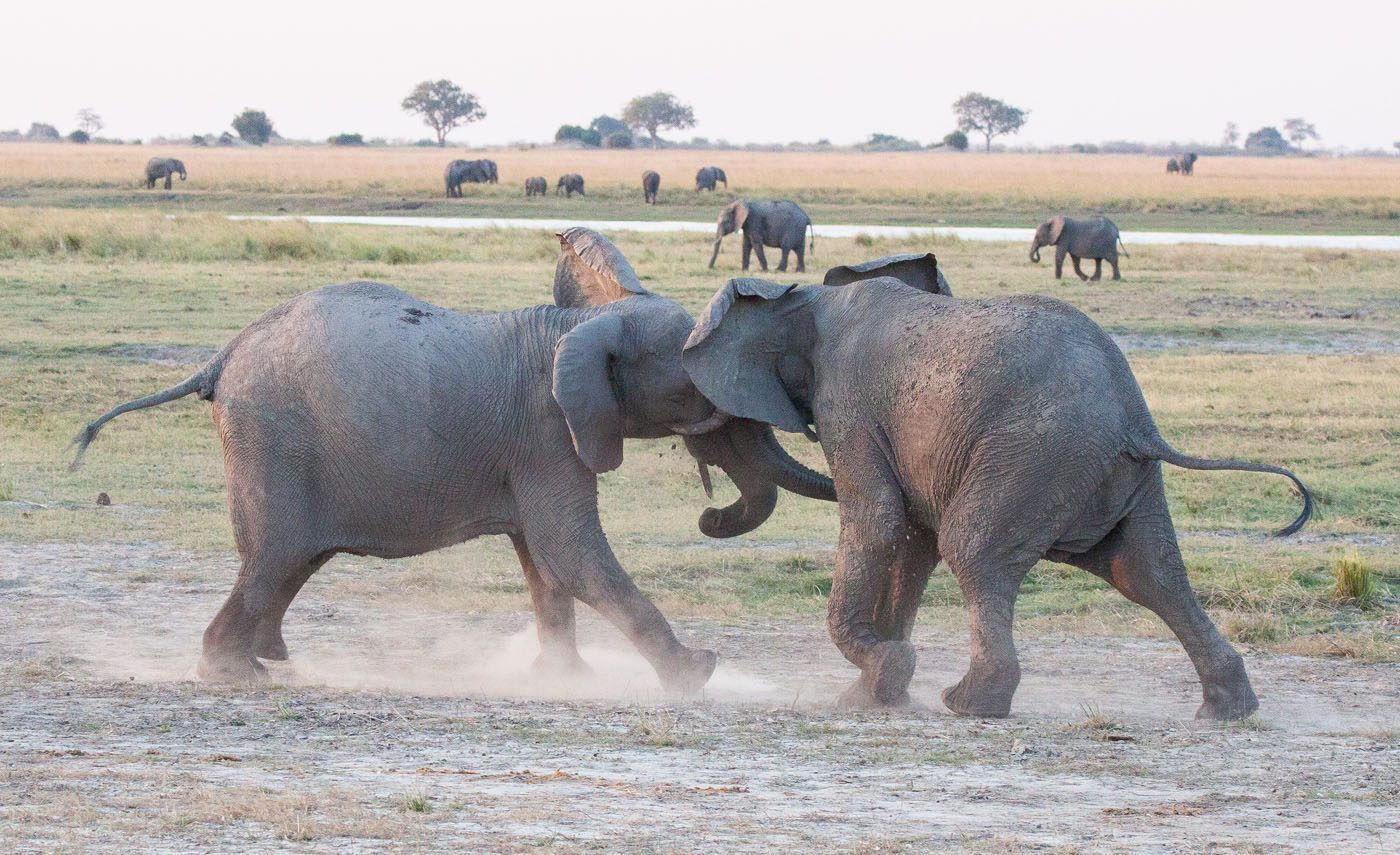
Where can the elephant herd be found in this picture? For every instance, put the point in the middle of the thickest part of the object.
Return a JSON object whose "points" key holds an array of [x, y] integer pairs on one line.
{"points": [[987, 434], [460, 172]]}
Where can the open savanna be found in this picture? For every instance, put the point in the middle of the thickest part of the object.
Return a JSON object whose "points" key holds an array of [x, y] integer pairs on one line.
{"points": [[1286, 356], [1295, 194]]}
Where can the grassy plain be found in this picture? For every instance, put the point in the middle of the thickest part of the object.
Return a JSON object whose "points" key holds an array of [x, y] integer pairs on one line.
{"points": [[1282, 195], [1289, 356]]}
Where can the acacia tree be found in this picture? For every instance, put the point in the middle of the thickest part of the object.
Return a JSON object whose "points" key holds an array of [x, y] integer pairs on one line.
{"points": [[253, 126], [89, 121], [988, 116], [656, 111], [1298, 130], [443, 106]]}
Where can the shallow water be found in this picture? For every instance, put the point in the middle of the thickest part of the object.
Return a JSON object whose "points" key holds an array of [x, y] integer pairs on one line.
{"points": [[1386, 243]]}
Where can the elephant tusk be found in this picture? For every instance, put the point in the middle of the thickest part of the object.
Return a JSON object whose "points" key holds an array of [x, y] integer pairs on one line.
{"points": [[705, 425], [705, 480]]}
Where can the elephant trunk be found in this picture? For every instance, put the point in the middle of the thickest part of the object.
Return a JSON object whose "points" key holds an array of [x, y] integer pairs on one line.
{"points": [[714, 256], [1035, 250]]}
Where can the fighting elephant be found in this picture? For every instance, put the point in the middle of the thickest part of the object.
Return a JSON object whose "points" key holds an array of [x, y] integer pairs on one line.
{"points": [[357, 419], [708, 176], [1079, 237], [163, 167], [651, 182], [569, 185], [776, 223], [986, 433], [536, 186]]}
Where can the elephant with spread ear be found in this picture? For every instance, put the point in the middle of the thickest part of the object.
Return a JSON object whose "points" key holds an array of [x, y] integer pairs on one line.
{"points": [[357, 419], [569, 185], [1079, 237], [164, 167], [708, 176], [651, 183], [989, 434], [1187, 163], [776, 223], [536, 186]]}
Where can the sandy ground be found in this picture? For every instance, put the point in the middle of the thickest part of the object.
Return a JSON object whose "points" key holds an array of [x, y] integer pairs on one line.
{"points": [[417, 729]]}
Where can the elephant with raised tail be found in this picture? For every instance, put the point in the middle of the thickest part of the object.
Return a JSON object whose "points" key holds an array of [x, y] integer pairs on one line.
{"points": [[569, 184], [777, 223], [651, 184], [989, 434], [163, 167], [357, 419], [708, 176], [1079, 237]]}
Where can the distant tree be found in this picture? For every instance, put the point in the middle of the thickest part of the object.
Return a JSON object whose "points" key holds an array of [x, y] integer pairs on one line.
{"points": [[956, 140], [988, 116], [89, 121], [587, 136], [79, 136], [347, 139], [889, 142], [43, 132], [1266, 140], [1231, 135], [657, 111], [253, 126], [1299, 130], [199, 139], [605, 125], [443, 106], [618, 139]]}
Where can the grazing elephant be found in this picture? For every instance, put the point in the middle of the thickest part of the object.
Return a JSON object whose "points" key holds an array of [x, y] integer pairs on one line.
{"points": [[651, 182], [457, 173], [163, 167], [536, 186], [569, 185], [708, 176], [988, 433], [1173, 167], [777, 223], [357, 419], [1086, 237]]}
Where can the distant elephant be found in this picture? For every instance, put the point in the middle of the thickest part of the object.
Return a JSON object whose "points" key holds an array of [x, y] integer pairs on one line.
{"points": [[777, 223], [163, 167], [989, 433], [536, 186], [569, 185], [488, 169], [1187, 163], [1087, 237], [1173, 167], [457, 173], [708, 176], [651, 182], [357, 419]]}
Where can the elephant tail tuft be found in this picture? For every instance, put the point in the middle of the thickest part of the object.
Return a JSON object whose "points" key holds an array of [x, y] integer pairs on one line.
{"points": [[812, 247], [201, 382]]}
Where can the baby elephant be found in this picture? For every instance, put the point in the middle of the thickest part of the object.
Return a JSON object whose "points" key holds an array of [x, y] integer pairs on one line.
{"points": [[1087, 237], [536, 186], [651, 182], [569, 185], [163, 167], [989, 433]]}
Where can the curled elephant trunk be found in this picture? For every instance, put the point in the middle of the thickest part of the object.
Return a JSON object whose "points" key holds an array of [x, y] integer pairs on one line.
{"points": [[753, 459], [1035, 252]]}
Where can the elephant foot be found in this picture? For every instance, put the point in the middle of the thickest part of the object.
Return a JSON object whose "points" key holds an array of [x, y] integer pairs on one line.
{"points": [[884, 682], [270, 646], [1228, 702], [688, 671], [561, 665], [980, 698], [240, 669]]}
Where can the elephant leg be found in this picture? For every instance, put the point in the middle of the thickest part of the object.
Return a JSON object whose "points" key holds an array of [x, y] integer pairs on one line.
{"points": [[1098, 269], [801, 257], [229, 641], [758, 251], [748, 250], [568, 543], [267, 635], [1113, 262], [1078, 272], [989, 582], [555, 622], [1060, 253], [782, 263], [1142, 560], [167, 182]]}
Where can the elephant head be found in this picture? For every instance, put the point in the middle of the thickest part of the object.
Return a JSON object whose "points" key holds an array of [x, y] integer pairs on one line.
{"points": [[178, 166], [619, 374], [1046, 234], [731, 219]]}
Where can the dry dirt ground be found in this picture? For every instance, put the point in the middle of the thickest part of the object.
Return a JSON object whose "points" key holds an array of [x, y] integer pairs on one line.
{"points": [[415, 729]]}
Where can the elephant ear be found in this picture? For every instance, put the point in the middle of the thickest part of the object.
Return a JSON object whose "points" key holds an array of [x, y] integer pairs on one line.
{"points": [[915, 270], [1057, 225], [583, 390], [732, 353], [741, 214], [591, 271]]}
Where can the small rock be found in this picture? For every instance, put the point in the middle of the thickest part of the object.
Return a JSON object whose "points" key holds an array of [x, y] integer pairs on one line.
{"points": [[103, 499]]}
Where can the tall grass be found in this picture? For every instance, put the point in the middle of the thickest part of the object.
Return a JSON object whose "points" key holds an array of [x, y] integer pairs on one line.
{"points": [[1354, 580]]}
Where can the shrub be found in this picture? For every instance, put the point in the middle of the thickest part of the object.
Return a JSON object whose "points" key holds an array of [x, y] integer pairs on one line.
{"points": [[587, 136], [956, 140], [254, 126], [1353, 581], [80, 137], [347, 139], [1266, 140], [888, 142], [618, 139], [44, 132]]}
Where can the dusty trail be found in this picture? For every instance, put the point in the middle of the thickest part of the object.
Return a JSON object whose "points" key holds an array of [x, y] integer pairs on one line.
{"points": [[103, 745]]}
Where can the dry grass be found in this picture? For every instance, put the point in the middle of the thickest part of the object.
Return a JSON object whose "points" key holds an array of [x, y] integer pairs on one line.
{"points": [[1354, 581]]}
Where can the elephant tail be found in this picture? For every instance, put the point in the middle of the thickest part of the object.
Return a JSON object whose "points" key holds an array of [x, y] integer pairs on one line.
{"points": [[812, 247], [1158, 449], [201, 382], [1119, 238]]}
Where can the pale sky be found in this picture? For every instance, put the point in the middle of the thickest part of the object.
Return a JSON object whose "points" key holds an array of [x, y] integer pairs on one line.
{"points": [[753, 71]]}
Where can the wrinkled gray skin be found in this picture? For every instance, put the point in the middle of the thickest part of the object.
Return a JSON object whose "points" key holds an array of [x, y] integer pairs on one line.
{"points": [[708, 176], [569, 185], [357, 419], [460, 172], [1079, 237], [776, 223], [536, 186], [651, 183], [163, 167], [988, 433]]}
